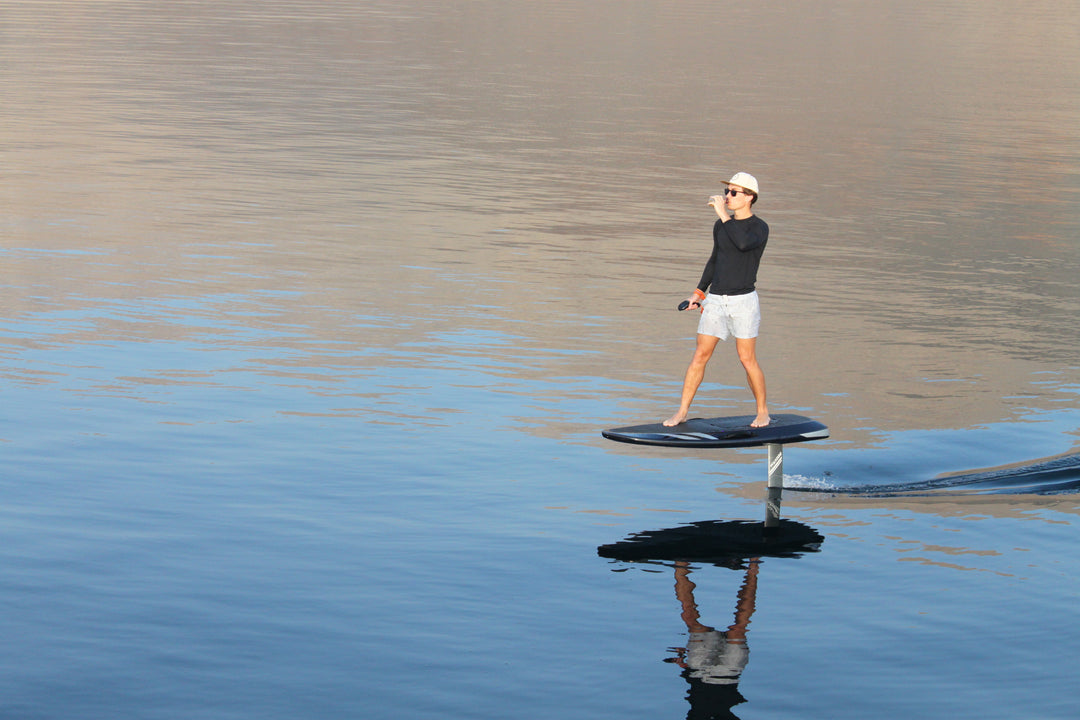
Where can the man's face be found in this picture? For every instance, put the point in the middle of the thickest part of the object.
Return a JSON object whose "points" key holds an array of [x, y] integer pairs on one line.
{"points": [[737, 197]]}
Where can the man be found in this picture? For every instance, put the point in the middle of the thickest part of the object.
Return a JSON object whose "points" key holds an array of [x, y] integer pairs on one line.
{"points": [[731, 305]]}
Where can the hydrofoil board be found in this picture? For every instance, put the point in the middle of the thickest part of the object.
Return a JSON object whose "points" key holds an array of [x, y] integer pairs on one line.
{"points": [[722, 432]]}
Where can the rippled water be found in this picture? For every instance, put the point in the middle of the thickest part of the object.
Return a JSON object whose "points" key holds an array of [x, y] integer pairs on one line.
{"points": [[315, 311]]}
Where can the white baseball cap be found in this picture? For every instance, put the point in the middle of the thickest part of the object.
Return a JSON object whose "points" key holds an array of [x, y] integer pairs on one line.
{"points": [[744, 180]]}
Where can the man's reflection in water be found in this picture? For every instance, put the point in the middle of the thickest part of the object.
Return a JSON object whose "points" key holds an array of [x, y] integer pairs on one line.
{"points": [[712, 661]]}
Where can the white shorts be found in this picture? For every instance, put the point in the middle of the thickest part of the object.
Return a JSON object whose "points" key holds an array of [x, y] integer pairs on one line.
{"points": [[738, 315]]}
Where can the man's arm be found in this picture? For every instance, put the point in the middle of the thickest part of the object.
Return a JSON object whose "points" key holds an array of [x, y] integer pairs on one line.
{"points": [[746, 235]]}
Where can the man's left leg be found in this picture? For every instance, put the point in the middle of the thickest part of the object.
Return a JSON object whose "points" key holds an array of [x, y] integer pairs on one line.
{"points": [[755, 378]]}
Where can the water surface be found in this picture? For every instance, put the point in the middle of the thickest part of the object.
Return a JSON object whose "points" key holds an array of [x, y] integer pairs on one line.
{"points": [[314, 312]]}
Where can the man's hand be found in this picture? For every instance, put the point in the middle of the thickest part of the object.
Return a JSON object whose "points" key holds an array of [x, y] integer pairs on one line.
{"points": [[694, 301], [719, 204]]}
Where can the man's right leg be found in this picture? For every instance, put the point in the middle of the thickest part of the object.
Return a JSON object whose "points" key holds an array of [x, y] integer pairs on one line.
{"points": [[694, 375]]}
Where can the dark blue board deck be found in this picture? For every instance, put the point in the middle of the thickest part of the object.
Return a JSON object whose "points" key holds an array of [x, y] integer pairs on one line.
{"points": [[723, 432]]}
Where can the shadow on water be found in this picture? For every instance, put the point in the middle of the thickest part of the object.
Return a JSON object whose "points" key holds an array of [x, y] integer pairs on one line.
{"points": [[712, 661], [1046, 476]]}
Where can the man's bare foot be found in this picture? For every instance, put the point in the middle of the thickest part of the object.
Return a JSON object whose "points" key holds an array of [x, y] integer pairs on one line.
{"points": [[676, 419], [761, 420]]}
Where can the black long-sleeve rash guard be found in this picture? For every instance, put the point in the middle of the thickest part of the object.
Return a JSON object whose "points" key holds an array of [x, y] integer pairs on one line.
{"points": [[737, 249]]}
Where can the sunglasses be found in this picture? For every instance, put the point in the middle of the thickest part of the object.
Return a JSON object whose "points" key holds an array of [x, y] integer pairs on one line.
{"points": [[729, 191]]}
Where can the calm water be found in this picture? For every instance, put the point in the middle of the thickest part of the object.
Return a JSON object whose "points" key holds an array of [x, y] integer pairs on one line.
{"points": [[314, 312]]}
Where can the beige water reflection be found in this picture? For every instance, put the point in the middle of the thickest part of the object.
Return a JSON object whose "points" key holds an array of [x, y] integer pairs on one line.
{"points": [[377, 173]]}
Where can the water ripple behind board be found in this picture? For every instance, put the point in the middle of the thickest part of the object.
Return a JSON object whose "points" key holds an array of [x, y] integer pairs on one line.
{"points": [[1046, 476]]}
